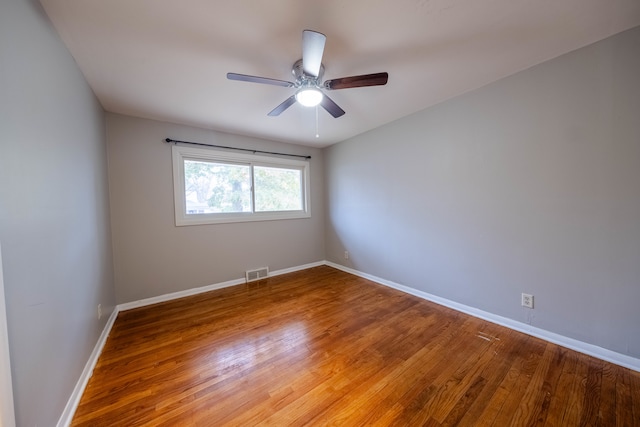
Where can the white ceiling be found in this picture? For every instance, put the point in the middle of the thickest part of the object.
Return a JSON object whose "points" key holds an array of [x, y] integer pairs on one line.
{"points": [[168, 59]]}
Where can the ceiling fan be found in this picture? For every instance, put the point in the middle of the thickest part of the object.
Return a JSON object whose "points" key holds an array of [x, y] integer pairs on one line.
{"points": [[308, 73]]}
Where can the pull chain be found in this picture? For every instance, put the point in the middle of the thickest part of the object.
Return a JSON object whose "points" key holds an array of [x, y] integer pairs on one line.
{"points": [[317, 132]]}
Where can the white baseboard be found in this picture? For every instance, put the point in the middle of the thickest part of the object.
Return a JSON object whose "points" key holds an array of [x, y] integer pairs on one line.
{"points": [[74, 400], [208, 288], [180, 294], [298, 268], [573, 344]]}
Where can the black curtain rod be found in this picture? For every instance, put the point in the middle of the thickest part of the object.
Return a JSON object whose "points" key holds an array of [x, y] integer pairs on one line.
{"points": [[175, 141]]}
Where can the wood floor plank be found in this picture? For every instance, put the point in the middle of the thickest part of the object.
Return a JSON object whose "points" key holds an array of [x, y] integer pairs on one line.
{"points": [[530, 402], [383, 389], [563, 390], [323, 347], [516, 358], [467, 378], [424, 369], [607, 410], [634, 388], [518, 383], [593, 386], [493, 373], [575, 401]]}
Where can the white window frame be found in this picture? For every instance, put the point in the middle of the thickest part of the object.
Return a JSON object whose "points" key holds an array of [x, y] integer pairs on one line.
{"points": [[181, 153]]}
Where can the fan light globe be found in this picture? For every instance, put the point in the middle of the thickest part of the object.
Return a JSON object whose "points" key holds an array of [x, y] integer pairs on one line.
{"points": [[309, 97]]}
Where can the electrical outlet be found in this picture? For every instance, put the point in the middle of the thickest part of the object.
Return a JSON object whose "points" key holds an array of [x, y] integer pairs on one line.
{"points": [[99, 311], [527, 300], [346, 254]]}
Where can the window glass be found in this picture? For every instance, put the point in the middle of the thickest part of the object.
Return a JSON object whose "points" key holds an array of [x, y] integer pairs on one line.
{"points": [[217, 186], [277, 189]]}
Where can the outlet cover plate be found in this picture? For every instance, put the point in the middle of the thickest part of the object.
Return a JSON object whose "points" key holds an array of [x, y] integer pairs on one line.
{"points": [[527, 300]]}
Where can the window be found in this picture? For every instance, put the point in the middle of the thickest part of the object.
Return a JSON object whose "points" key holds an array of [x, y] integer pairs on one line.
{"points": [[217, 186]]}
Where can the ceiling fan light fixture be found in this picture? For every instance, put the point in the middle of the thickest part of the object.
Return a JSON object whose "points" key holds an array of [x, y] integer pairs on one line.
{"points": [[308, 72], [309, 97]]}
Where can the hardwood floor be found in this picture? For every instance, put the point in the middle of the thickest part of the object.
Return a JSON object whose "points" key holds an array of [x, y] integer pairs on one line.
{"points": [[322, 347]]}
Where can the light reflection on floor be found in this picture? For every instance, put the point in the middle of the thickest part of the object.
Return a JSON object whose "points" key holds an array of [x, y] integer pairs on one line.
{"points": [[250, 351]]}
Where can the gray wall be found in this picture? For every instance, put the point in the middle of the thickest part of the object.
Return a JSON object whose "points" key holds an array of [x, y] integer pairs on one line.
{"points": [[530, 184], [152, 256], [54, 215]]}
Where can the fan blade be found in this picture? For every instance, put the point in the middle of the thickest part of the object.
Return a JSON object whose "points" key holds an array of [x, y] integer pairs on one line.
{"points": [[333, 109], [312, 50], [377, 79], [254, 79], [280, 108]]}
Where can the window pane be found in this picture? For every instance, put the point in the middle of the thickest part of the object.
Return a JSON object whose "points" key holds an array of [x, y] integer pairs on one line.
{"points": [[216, 187], [277, 189]]}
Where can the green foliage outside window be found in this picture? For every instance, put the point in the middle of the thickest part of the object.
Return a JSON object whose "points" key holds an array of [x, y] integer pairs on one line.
{"points": [[223, 188], [277, 189]]}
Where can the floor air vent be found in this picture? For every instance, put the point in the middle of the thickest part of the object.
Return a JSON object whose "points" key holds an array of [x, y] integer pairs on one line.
{"points": [[257, 274]]}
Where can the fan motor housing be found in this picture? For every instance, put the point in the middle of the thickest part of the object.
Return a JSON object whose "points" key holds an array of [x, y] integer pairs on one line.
{"points": [[301, 77]]}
